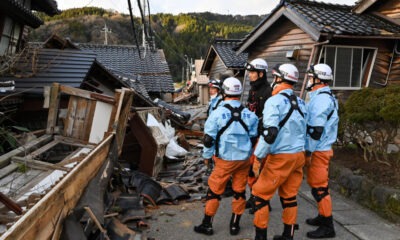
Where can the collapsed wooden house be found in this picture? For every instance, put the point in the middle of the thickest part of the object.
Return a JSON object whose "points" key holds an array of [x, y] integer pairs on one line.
{"points": [[76, 143]]}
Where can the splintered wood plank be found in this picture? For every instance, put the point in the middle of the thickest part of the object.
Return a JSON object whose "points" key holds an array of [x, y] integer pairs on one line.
{"points": [[86, 94], [39, 222], [5, 158], [78, 130], [89, 120], [38, 164], [123, 114], [53, 108], [74, 142], [70, 119]]}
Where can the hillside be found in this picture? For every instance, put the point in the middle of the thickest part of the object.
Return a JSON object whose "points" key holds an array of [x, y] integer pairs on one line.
{"points": [[179, 35]]}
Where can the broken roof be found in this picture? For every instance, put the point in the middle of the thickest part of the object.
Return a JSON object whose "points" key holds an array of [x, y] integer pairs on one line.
{"points": [[38, 67], [223, 48], [152, 70], [318, 18]]}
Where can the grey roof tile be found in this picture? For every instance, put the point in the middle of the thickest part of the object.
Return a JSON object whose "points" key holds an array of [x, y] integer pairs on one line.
{"points": [[224, 48], [151, 70], [333, 18], [67, 67], [339, 19]]}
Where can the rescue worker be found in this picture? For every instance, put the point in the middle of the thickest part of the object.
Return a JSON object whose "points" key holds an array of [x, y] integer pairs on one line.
{"points": [[322, 128], [228, 135], [282, 141], [214, 89], [259, 92]]}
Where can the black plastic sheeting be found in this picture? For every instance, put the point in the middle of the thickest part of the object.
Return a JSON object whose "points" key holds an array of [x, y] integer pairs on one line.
{"points": [[146, 187]]}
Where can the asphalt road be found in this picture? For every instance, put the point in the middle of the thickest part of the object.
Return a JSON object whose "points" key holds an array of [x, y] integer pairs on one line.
{"points": [[350, 219]]}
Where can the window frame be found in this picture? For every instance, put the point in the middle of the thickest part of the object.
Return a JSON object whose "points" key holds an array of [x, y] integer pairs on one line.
{"points": [[12, 38], [365, 73]]}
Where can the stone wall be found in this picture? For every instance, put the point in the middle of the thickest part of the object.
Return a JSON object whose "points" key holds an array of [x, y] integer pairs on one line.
{"points": [[383, 200]]}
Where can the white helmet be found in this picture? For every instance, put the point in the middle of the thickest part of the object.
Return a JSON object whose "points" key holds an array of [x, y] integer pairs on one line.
{"points": [[287, 72], [216, 83], [321, 71], [257, 64], [232, 86]]}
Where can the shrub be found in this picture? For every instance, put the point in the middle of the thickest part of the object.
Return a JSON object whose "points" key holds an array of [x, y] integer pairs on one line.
{"points": [[371, 118]]}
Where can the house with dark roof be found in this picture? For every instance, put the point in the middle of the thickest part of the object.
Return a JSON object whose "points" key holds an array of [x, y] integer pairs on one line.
{"points": [[148, 67], [222, 59], [16, 16], [360, 43], [38, 66]]}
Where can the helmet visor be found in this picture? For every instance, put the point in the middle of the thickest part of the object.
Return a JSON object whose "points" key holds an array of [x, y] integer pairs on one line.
{"points": [[250, 67]]}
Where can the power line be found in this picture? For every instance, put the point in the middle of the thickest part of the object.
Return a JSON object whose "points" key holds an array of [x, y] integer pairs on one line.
{"points": [[133, 27]]}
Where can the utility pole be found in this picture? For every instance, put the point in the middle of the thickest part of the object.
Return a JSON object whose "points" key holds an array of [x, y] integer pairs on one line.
{"points": [[106, 30]]}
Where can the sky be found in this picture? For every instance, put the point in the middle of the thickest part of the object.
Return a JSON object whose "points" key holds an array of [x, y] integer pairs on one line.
{"points": [[234, 7]]}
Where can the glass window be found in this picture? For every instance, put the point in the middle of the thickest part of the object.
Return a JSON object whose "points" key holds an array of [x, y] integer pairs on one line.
{"points": [[349, 65], [9, 37]]}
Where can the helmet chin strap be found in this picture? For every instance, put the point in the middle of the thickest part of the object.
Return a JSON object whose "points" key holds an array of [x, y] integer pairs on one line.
{"points": [[311, 86]]}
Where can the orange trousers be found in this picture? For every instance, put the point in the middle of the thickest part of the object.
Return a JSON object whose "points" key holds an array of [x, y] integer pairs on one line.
{"points": [[317, 177], [222, 172], [252, 179], [285, 173]]}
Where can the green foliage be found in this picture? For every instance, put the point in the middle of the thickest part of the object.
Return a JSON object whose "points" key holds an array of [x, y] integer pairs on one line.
{"points": [[178, 35], [22, 168], [373, 114], [7, 140], [374, 105]]}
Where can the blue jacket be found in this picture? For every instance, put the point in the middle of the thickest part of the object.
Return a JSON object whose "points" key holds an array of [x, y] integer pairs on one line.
{"points": [[234, 143], [319, 107], [291, 137], [214, 103]]}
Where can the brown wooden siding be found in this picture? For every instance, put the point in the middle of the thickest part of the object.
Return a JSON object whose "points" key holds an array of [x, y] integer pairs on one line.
{"points": [[272, 46], [217, 68], [390, 9]]}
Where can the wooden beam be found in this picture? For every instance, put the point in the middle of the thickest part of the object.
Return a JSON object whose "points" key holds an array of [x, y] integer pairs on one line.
{"points": [[5, 171], [74, 142], [44, 148], [39, 164], [86, 94], [38, 222], [5, 158], [53, 108]]}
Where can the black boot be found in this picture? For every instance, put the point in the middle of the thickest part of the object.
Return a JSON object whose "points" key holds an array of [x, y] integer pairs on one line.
{"points": [[288, 232], [317, 221], [325, 230], [261, 234], [205, 227], [234, 225]]}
